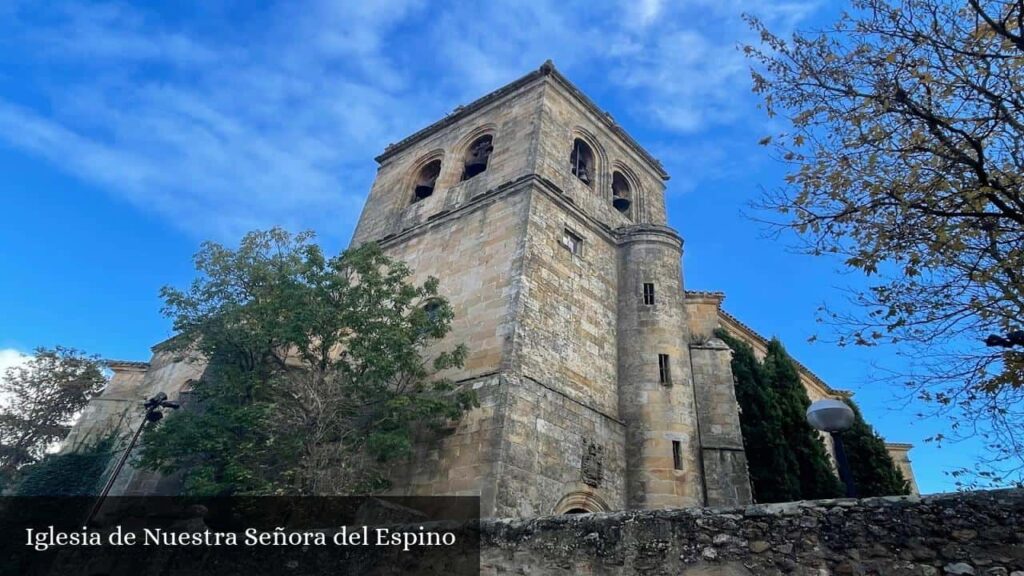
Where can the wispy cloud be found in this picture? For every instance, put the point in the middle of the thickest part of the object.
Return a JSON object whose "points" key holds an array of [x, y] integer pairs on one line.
{"points": [[226, 122], [217, 136], [646, 11], [10, 358]]}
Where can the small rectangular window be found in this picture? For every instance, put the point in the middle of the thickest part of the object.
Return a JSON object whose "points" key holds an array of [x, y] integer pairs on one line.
{"points": [[664, 370], [648, 294], [677, 455], [572, 242]]}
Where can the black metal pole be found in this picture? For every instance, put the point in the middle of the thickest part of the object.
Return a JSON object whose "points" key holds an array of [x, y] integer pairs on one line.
{"points": [[845, 474], [117, 469], [152, 414]]}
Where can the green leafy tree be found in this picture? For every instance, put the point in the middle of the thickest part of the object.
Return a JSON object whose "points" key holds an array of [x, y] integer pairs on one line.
{"points": [[786, 458], [874, 472], [816, 478], [774, 471], [906, 144], [39, 401], [320, 370]]}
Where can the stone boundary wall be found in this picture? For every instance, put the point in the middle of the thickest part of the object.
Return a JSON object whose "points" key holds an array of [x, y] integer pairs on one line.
{"points": [[979, 533]]}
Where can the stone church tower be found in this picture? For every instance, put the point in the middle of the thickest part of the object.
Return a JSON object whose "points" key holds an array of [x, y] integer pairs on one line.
{"points": [[545, 223], [601, 384]]}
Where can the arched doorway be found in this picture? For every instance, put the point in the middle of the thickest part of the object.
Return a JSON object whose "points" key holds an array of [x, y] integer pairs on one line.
{"points": [[580, 502]]}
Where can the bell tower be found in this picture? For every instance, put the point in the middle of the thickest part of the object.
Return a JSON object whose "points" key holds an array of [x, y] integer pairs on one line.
{"points": [[545, 224]]}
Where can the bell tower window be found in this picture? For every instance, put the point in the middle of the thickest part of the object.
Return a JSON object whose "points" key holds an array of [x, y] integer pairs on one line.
{"points": [[477, 157], [622, 195], [426, 180], [581, 162]]}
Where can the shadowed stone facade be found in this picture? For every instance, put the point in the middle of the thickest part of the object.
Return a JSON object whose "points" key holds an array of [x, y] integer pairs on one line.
{"points": [[600, 382]]}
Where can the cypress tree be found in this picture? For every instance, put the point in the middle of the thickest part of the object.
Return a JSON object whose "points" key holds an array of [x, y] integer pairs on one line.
{"points": [[874, 472], [774, 471], [817, 480]]}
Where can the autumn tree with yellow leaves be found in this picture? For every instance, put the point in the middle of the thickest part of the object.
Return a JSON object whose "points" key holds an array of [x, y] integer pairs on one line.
{"points": [[906, 147]]}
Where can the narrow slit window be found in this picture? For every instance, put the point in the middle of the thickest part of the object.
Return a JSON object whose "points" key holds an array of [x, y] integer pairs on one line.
{"points": [[648, 294], [677, 455], [572, 242], [664, 369]]}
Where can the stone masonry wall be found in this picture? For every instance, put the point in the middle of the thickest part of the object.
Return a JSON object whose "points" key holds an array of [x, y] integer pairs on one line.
{"points": [[726, 482], [168, 373], [113, 410], [476, 256], [458, 461], [979, 533], [656, 403], [557, 454], [565, 328], [511, 121]]}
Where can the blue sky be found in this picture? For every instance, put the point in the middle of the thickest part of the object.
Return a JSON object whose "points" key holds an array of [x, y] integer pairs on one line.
{"points": [[130, 133]]}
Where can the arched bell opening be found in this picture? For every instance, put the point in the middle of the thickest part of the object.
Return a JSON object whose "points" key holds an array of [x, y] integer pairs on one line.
{"points": [[477, 156], [581, 162], [622, 193], [426, 180]]}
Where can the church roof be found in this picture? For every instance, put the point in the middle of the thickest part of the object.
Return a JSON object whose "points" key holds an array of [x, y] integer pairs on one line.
{"points": [[546, 70], [807, 371], [752, 334]]}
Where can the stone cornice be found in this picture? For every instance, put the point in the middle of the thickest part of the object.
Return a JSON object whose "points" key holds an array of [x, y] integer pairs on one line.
{"points": [[648, 232], [456, 115], [126, 365], [540, 183], [710, 296], [546, 71], [898, 445]]}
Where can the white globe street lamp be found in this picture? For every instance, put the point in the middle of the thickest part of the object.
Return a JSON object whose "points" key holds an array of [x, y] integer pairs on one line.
{"points": [[834, 416]]}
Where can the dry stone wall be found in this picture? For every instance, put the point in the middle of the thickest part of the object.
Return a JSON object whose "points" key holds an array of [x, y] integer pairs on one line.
{"points": [[980, 533]]}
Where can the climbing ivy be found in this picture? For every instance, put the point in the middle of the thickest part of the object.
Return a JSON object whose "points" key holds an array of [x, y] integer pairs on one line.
{"points": [[78, 473]]}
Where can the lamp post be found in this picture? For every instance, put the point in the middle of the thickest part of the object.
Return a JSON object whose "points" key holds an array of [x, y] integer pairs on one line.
{"points": [[153, 414], [834, 416]]}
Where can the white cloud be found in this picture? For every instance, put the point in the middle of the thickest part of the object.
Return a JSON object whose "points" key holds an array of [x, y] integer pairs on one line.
{"points": [[10, 358], [688, 64], [644, 12], [274, 118], [220, 138]]}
